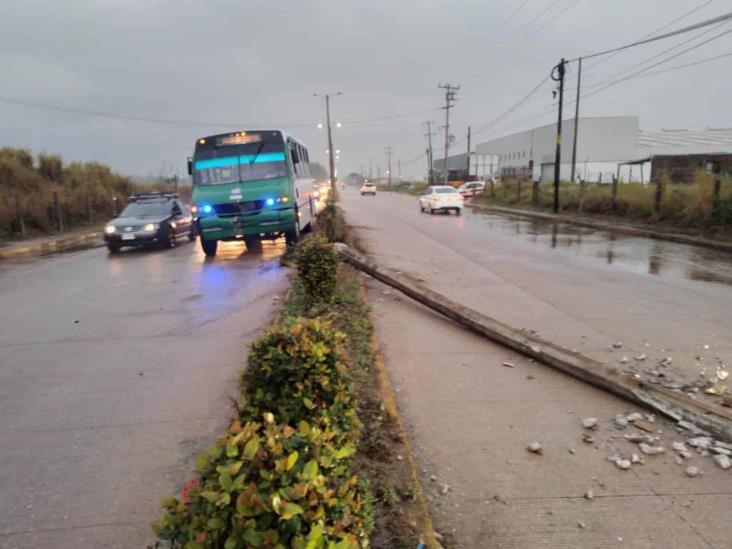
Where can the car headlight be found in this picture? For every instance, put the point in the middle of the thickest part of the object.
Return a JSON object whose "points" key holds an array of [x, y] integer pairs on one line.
{"points": [[110, 229], [150, 227]]}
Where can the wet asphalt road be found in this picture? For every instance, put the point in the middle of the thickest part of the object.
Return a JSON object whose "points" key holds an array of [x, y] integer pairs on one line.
{"points": [[114, 371], [578, 287]]}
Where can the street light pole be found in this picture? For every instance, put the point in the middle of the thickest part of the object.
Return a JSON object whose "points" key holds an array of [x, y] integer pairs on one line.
{"points": [[331, 160]]}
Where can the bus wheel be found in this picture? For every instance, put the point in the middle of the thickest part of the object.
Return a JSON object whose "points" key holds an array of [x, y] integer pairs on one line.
{"points": [[292, 235], [209, 246]]}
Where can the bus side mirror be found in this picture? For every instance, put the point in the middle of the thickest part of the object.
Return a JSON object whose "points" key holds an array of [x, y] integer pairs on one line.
{"points": [[190, 166]]}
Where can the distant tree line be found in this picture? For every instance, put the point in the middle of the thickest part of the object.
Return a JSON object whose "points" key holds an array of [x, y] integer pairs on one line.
{"points": [[41, 195]]}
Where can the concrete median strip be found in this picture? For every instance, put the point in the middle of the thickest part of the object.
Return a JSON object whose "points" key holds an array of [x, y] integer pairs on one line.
{"points": [[54, 246], [721, 245], [709, 416]]}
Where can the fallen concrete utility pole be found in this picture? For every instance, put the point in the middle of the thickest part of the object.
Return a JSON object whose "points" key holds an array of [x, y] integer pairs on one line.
{"points": [[710, 417]]}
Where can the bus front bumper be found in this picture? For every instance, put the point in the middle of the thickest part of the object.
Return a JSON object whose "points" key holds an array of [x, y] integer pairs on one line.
{"points": [[216, 227]]}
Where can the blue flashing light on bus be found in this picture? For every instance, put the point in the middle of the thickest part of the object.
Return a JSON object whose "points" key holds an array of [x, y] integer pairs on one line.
{"points": [[206, 208], [270, 202]]}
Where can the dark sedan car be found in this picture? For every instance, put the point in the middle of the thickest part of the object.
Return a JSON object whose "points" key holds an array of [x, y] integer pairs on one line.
{"points": [[150, 220]]}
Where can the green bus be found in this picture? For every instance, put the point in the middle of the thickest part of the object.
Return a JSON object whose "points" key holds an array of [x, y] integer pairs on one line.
{"points": [[251, 185]]}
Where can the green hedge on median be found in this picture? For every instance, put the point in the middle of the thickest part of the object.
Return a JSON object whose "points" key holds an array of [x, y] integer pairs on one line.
{"points": [[281, 476]]}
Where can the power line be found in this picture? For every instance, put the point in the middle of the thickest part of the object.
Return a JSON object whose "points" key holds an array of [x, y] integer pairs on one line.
{"points": [[132, 118], [151, 120], [712, 21], [662, 61], [391, 116], [498, 45], [556, 16], [659, 29], [656, 56], [513, 107], [543, 113]]}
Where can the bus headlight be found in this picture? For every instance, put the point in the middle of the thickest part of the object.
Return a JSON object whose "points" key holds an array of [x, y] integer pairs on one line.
{"points": [[110, 229]]}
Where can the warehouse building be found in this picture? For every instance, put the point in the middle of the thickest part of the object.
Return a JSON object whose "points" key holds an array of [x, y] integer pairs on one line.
{"points": [[606, 147]]}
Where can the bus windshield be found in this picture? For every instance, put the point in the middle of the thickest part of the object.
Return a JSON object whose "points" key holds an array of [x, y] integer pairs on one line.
{"points": [[240, 163]]}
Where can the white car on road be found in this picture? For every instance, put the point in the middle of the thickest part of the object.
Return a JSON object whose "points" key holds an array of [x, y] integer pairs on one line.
{"points": [[441, 198]]}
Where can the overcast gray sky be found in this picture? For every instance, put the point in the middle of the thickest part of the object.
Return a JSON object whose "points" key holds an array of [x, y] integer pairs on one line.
{"points": [[252, 63]]}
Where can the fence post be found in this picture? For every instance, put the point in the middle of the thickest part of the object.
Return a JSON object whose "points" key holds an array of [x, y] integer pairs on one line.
{"points": [[715, 169], [658, 197], [518, 190], [535, 191], [57, 212], [581, 205], [493, 188], [615, 193], [19, 212]]}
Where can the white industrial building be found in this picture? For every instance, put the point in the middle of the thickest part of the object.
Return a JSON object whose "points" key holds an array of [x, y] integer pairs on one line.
{"points": [[603, 143], [606, 147]]}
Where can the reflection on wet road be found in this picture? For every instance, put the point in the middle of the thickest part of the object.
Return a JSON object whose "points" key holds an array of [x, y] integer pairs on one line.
{"points": [[635, 254], [581, 288], [114, 371]]}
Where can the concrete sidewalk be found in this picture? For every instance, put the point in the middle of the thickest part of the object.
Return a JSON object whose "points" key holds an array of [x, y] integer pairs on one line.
{"points": [[471, 407], [66, 242]]}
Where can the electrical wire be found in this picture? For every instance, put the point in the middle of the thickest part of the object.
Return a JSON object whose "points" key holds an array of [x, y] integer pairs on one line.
{"points": [[571, 102], [390, 116], [132, 118], [712, 21], [666, 60], [129, 118], [659, 29], [656, 56], [511, 109]]}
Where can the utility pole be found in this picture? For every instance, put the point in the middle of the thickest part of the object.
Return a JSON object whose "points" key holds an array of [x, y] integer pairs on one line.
{"points": [[450, 98], [378, 173], [331, 152], [430, 157], [468, 166], [576, 118], [371, 169], [389, 152], [559, 71]]}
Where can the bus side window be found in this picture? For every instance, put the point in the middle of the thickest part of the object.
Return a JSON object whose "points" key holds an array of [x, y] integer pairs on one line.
{"points": [[307, 163]]}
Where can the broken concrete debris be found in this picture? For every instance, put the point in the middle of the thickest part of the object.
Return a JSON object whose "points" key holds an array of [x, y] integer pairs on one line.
{"points": [[589, 423], [723, 461], [651, 450], [692, 471], [535, 448], [635, 416], [621, 422]]}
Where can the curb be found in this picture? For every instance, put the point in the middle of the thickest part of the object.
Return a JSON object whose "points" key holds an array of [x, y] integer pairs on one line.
{"points": [[48, 247], [623, 229], [390, 405]]}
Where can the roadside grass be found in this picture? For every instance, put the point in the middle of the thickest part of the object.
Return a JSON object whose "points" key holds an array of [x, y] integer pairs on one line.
{"points": [[685, 205]]}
